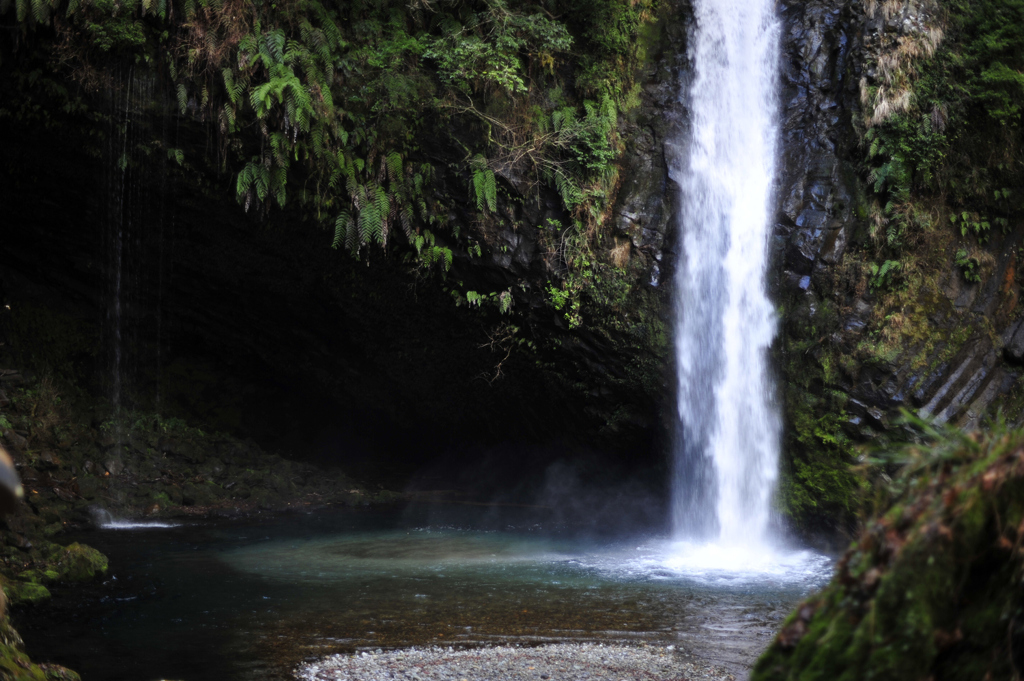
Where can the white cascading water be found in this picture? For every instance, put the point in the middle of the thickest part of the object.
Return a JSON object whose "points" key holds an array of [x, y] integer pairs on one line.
{"points": [[727, 454]]}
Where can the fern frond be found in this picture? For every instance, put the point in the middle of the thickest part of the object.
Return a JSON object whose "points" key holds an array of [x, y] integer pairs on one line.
{"points": [[484, 185], [227, 118], [261, 181], [382, 208], [278, 182], [609, 112], [369, 224], [406, 218], [341, 228], [318, 138], [40, 11], [294, 52], [394, 164], [182, 98], [353, 237], [273, 46], [491, 191], [478, 162], [211, 43], [567, 189], [329, 26]]}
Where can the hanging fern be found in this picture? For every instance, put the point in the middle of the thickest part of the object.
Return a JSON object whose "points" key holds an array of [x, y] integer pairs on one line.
{"points": [[568, 188], [254, 178], [182, 98], [343, 230], [484, 185], [394, 166]]}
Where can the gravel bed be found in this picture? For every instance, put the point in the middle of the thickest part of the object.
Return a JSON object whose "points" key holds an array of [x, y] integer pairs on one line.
{"points": [[559, 662]]}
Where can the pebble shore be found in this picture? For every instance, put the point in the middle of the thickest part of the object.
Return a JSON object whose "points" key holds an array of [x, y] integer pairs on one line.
{"points": [[559, 662]]}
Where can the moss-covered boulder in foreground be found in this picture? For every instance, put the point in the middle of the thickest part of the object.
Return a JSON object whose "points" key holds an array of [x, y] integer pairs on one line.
{"points": [[79, 563], [932, 588]]}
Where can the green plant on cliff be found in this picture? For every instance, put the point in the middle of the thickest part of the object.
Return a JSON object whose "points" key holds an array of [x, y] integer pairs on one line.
{"points": [[969, 267], [960, 136], [936, 166], [817, 490]]}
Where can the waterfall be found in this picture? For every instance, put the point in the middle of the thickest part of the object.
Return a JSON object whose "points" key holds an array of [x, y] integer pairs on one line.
{"points": [[726, 457], [118, 141], [133, 155]]}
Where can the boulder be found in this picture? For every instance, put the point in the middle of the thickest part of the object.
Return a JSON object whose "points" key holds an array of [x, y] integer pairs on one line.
{"points": [[931, 589], [25, 592], [78, 563]]}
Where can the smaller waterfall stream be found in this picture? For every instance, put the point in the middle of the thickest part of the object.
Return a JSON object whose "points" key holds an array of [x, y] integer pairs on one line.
{"points": [[133, 269], [727, 455]]}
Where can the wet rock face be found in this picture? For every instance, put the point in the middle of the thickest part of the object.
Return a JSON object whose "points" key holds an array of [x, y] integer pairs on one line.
{"points": [[815, 191], [645, 215]]}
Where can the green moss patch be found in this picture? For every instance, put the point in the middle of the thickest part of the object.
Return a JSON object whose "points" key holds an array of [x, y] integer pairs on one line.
{"points": [[931, 588], [79, 563], [25, 592]]}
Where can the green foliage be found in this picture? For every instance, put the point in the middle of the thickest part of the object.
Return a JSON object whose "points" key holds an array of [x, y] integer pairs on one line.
{"points": [[340, 109], [971, 223], [884, 275], [146, 423], [485, 52], [484, 185], [960, 138], [817, 483], [503, 301], [970, 268], [612, 48], [430, 253]]}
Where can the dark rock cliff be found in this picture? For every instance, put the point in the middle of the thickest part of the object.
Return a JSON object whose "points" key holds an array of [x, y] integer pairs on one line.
{"points": [[853, 354]]}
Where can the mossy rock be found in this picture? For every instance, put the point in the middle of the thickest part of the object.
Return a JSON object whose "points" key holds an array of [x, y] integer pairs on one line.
{"points": [[931, 589], [39, 576], [261, 497], [200, 494], [79, 563], [54, 672], [15, 664], [25, 592], [89, 486]]}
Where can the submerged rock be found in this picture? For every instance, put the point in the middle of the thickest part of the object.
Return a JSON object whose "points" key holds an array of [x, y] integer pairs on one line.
{"points": [[931, 589]]}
